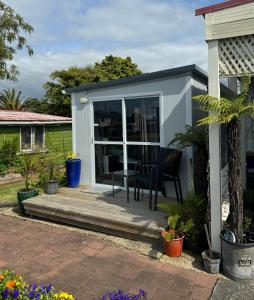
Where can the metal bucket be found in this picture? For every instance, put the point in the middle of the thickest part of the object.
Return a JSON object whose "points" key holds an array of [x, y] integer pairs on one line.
{"points": [[52, 187], [238, 260], [212, 265]]}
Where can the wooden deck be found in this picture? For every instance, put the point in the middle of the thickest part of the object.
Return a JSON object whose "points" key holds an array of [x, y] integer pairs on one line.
{"points": [[100, 213]]}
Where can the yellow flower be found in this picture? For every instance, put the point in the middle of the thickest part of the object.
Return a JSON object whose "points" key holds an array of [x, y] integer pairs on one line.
{"points": [[63, 296], [1, 277], [71, 155]]}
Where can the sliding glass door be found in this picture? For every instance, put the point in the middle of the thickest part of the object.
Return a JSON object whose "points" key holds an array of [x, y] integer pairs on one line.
{"points": [[126, 132], [142, 130]]}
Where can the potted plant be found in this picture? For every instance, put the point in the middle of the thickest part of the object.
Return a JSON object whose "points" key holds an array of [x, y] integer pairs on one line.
{"points": [[173, 236], [237, 245], [49, 174], [26, 166], [73, 169], [211, 258]]}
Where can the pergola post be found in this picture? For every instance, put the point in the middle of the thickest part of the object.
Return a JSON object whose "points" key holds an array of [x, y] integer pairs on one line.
{"points": [[214, 148]]}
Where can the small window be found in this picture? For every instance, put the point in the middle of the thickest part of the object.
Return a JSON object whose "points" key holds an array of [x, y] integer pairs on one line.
{"points": [[26, 138], [38, 137], [32, 138]]}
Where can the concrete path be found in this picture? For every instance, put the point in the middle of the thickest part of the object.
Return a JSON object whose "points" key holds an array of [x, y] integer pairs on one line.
{"points": [[87, 267], [231, 290]]}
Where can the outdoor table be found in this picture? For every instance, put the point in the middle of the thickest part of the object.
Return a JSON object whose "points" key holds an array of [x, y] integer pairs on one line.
{"points": [[125, 174]]}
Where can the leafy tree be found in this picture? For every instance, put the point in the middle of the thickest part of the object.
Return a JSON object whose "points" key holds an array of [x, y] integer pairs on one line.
{"points": [[12, 28], [229, 112], [110, 68], [12, 100], [113, 67]]}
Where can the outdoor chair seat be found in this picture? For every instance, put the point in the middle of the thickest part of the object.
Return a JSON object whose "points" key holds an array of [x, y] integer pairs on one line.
{"points": [[153, 175]]}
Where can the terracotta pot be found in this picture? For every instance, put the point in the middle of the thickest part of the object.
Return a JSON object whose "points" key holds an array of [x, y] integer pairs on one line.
{"points": [[173, 248]]}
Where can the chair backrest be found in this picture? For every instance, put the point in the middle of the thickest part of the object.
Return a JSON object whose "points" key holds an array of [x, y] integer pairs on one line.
{"points": [[171, 158]]}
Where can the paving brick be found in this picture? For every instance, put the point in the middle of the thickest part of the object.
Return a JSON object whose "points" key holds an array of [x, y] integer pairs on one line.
{"points": [[200, 293], [88, 267], [206, 280]]}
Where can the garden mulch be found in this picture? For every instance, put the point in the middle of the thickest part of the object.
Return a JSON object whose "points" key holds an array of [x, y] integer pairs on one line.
{"points": [[87, 266]]}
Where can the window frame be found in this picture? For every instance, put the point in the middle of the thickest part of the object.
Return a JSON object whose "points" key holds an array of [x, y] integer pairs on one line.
{"points": [[32, 138]]}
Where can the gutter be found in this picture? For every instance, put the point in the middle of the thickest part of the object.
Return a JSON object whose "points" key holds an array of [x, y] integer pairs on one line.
{"points": [[33, 122]]}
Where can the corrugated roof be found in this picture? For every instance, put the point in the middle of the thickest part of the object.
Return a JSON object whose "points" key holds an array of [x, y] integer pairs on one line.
{"points": [[220, 6], [25, 116], [180, 71]]}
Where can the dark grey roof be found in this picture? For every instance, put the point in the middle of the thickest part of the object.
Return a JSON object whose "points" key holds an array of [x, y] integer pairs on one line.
{"points": [[180, 71]]}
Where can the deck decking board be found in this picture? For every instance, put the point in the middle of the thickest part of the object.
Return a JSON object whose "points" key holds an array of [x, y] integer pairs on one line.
{"points": [[100, 213]]}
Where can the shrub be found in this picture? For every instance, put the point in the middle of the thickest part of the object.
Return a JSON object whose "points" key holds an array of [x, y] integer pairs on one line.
{"points": [[195, 208], [8, 154]]}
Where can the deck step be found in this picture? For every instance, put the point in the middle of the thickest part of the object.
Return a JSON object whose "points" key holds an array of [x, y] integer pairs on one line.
{"points": [[102, 214]]}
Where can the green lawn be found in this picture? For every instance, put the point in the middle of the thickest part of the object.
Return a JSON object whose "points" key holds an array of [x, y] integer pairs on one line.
{"points": [[8, 192]]}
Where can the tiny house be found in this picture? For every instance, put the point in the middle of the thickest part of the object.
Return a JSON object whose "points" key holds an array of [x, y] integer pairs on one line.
{"points": [[121, 122]]}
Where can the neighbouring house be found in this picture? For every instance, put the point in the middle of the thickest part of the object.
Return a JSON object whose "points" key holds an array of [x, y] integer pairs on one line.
{"points": [[121, 122], [36, 131]]}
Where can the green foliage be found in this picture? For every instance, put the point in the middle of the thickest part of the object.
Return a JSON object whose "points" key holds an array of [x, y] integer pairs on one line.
{"points": [[113, 67], [8, 154], [27, 166], [229, 112], [48, 169], [191, 137], [177, 227], [224, 111], [198, 138], [12, 100], [12, 30], [193, 214], [110, 68]]}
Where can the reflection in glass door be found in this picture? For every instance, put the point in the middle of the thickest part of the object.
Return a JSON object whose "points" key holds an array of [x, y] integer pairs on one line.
{"points": [[125, 132], [108, 140], [143, 130]]}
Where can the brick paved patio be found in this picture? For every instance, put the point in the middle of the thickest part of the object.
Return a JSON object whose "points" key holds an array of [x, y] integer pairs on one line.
{"points": [[87, 267]]}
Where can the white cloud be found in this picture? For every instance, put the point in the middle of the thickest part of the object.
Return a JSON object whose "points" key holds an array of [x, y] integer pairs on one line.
{"points": [[157, 34]]}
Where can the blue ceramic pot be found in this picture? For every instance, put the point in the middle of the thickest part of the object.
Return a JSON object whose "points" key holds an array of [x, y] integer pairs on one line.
{"points": [[73, 168]]}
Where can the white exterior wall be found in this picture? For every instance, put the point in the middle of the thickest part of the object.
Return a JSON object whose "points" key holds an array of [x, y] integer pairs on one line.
{"points": [[230, 22], [175, 112]]}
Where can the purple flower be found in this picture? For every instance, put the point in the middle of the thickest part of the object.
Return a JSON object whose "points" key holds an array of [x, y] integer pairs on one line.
{"points": [[15, 294], [31, 294], [34, 286], [48, 288], [37, 296], [5, 293]]}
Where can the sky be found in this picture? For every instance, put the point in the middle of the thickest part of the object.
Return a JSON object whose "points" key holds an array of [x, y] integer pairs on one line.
{"points": [[156, 34]]}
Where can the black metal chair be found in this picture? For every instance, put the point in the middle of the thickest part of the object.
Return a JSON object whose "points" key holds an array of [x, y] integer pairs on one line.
{"points": [[153, 175]]}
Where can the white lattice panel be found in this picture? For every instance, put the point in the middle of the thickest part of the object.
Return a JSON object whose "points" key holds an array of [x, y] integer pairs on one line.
{"points": [[236, 56]]}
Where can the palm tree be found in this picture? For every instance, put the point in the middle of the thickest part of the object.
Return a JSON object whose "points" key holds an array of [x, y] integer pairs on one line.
{"points": [[198, 138], [12, 100], [229, 112]]}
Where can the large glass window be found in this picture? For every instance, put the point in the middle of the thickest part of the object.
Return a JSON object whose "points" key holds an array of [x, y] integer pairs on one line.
{"points": [[108, 159], [142, 119], [108, 120], [32, 138]]}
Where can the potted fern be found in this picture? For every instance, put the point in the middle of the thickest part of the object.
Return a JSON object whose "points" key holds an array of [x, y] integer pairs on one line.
{"points": [[173, 236], [237, 244]]}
